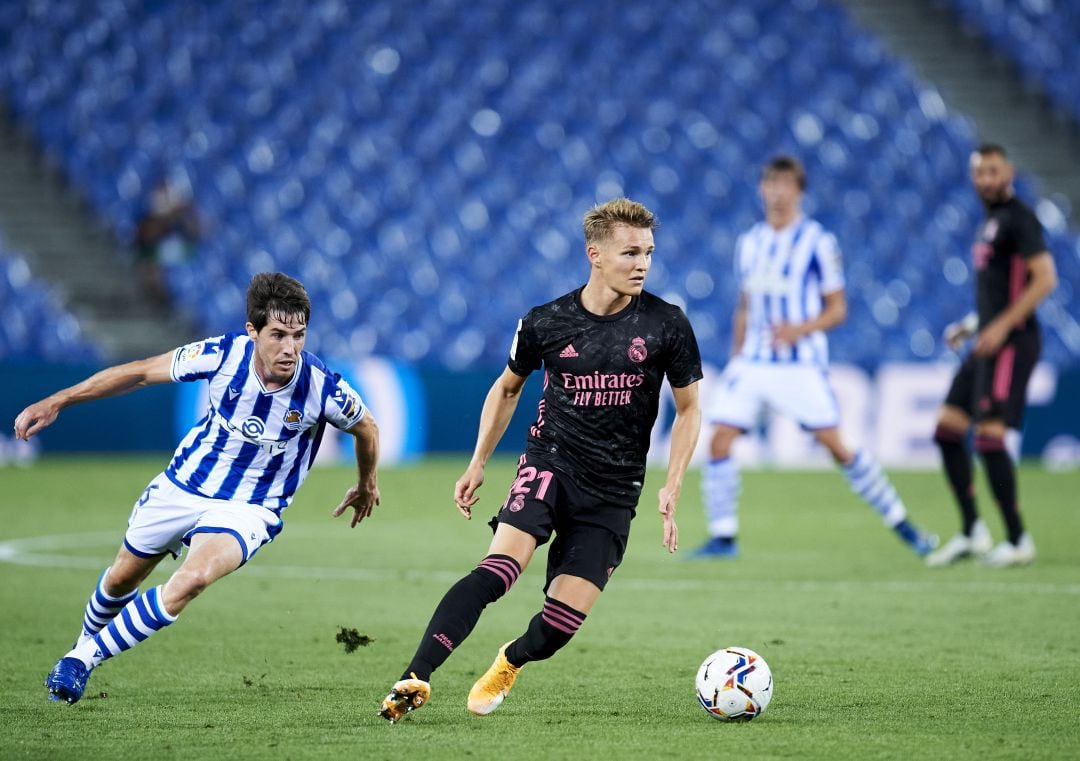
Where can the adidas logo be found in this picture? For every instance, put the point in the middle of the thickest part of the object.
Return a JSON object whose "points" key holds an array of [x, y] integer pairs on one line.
{"points": [[568, 352]]}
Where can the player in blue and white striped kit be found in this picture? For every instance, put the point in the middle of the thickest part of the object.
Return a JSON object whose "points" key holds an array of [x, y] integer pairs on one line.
{"points": [[231, 477], [791, 292]]}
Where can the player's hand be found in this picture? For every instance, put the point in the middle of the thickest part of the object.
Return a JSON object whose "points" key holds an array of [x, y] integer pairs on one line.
{"points": [[990, 339], [35, 417], [465, 489], [668, 502], [362, 498], [786, 334], [955, 334]]}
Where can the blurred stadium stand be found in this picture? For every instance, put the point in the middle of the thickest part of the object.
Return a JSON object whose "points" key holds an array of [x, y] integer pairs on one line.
{"points": [[423, 166], [34, 323], [1042, 37], [61, 243]]}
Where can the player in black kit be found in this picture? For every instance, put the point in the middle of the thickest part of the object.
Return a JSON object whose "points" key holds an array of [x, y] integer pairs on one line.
{"points": [[1013, 274], [605, 349]]}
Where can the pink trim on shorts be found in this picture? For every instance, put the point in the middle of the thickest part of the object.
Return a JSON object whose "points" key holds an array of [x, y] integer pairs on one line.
{"points": [[1003, 373]]}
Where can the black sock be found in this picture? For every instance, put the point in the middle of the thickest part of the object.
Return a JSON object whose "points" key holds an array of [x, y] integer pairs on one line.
{"points": [[548, 631], [459, 611], [1002, 476], [957, 462]]}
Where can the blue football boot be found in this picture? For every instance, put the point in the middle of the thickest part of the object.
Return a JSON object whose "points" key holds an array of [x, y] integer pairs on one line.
{"points": [[716, 547], [67, 680], [919, 541]]}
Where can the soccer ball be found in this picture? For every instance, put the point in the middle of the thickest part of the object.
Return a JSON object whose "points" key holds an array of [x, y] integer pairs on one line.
{"points": [[734, 684]]}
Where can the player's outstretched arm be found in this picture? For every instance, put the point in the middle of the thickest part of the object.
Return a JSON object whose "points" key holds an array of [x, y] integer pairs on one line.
{"points": [[112, 381], [499, 406], [363, 496], [684, 437]]}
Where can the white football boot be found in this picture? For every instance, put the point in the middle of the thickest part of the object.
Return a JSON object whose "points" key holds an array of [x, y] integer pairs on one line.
{"points": [[1008, 554], [962, 546]]}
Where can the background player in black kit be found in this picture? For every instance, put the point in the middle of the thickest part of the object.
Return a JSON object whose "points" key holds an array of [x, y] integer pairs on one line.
{"points": [[1013, 274], [605, 349]]}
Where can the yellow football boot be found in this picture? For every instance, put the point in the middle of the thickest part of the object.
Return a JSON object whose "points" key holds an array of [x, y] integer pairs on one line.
{"points": [[405, 696], [490, 689]]}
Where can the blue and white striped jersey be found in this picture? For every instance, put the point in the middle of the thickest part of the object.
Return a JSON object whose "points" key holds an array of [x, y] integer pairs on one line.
{"points": [[254, 445], [784, 274]]}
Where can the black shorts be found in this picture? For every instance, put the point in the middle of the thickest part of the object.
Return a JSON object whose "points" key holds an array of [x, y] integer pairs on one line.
{"points": [[590, 534], [996, 387]]}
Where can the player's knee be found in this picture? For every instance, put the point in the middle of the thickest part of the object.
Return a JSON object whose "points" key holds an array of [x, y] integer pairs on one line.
{"points": [[990, 437], [124, 577], [722, 440], [830, 439], [952, 425], [188, 583]]}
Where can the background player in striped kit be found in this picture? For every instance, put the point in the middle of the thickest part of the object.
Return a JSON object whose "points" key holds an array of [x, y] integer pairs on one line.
{"points": [[605, 349], [230, 478], [1014, 273], [791, 292]]}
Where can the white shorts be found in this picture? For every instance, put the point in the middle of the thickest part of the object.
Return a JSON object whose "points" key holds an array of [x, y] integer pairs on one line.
{"points": [[166, 517], [798, 391]]}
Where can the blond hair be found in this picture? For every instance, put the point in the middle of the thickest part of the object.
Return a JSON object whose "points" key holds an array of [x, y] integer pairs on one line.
{"points": [[601, 219]]}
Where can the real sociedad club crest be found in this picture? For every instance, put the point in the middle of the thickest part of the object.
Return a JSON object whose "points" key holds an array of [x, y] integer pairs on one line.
{"points": [[292, 419], [637, 351]]}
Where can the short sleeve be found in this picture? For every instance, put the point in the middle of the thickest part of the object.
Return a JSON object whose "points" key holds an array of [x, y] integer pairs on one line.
{"points": [[830, 262], [684, 366], [1029, 235], [199, 360], [343, 406], [525, 353]]}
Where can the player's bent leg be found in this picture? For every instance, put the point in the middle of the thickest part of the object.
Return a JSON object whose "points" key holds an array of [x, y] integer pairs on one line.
{"points": [[456, 616], [117, 586], [720, 487], [212, 556], [569, 600], [867, 479]]}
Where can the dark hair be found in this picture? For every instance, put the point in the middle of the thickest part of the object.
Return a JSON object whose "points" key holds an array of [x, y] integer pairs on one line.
{"points": [[275, 294], [601, 219], [989, 149], [785, 163]]}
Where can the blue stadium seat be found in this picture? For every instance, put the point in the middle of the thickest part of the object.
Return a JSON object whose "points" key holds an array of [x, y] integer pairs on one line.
{"points": [[423, 167], [34, 324]]}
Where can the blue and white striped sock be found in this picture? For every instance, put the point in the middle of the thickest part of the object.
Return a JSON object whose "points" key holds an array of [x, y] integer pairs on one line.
{"points": [[101, 608], [869, 481], [136, 621], [720, 487]]}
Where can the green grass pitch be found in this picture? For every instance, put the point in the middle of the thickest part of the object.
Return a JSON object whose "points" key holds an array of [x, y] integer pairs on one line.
{"points": [[874, 655]]}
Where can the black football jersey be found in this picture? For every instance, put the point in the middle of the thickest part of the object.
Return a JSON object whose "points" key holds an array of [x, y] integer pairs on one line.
{"points": [[1009, 235], [602, 379]]}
